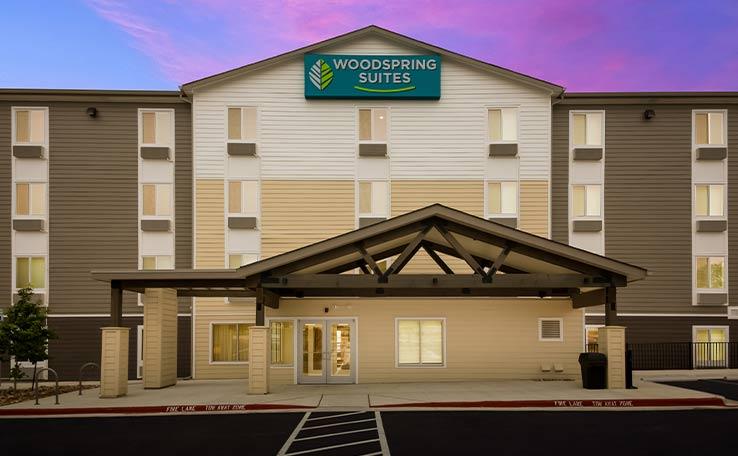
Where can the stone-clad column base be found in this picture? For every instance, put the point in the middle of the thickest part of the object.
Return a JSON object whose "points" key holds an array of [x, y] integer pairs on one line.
{"points": [[114, 362], [611, 342], [160, 338], [259, 360]]}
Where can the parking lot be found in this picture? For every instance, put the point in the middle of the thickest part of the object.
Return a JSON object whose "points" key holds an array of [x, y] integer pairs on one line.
{"points": [[723, 387], [359, 432]]}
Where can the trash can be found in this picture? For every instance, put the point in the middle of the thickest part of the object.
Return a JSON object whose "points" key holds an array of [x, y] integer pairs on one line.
{"points": [[594, 370]]}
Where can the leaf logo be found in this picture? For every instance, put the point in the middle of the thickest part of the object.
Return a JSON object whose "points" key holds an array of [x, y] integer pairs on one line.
{"points": [[321, 74]]}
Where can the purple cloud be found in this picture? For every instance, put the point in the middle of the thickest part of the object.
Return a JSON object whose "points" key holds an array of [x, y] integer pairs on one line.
{"points": [[586, 45]]}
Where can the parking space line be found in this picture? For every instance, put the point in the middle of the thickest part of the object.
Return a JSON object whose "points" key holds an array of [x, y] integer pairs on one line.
{"points": [[334, 434], [313, 450], [338, 424], [335, 416], [382, 437], [292, 436]]}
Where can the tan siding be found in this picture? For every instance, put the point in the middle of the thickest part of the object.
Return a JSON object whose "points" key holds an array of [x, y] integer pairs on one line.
{"points": [[298, 213], [5, 208], [409, 195], [534, 207], [485, 338], [211, 310], [209, 224]]}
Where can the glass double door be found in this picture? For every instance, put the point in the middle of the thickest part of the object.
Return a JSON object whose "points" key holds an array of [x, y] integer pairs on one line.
{"points": [[327, 351]]}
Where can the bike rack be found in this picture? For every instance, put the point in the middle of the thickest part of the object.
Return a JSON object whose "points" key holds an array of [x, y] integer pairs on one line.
{"points": [[56, 379], [80, 373]]}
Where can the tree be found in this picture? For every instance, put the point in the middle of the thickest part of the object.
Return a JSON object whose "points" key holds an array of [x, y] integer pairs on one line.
{"points": [[24, 335]]}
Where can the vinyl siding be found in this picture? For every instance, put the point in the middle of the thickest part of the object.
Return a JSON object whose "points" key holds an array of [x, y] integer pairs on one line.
{"points": [[485, 339], [79, 342], [648, 206], [732, 209], [213, 310], [464, 195], [534, 207], [6, 292], [210, 224], [316, 139], [298, 213]]}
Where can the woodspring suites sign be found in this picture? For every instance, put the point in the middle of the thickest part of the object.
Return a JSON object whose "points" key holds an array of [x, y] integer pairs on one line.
{"points": [[373, 76]]}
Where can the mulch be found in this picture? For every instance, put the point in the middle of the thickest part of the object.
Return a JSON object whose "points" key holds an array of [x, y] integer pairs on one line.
{"points": [[10, 396]]}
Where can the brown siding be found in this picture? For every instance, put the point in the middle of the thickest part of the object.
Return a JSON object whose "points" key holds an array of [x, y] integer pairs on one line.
{"points": [[665, 329], [93, 214], [5, 208], [79, 342], [560, 174], [733, 210], [183, 195]]}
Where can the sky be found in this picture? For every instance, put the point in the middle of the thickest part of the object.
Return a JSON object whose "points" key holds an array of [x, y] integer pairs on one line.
{"points": [[584, 45]]}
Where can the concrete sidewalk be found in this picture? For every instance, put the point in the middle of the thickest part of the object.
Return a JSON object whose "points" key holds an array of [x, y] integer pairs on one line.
{"points": [[230, 395]]}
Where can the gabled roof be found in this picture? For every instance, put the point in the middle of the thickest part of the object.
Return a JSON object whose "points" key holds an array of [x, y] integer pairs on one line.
{"points": [[483, 239], [554, 89]]}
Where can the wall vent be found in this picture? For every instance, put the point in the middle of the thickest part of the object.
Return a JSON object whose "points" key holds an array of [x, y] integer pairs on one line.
{"points": [[550, 329], [733, 313]]}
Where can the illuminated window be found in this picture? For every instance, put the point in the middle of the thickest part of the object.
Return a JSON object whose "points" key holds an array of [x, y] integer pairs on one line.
{"points": [[282, 342], [420, 342], [242, 124], [230, 342], [502, 124], [373, 124], [709, 200], [710, 272], [30, 272]]}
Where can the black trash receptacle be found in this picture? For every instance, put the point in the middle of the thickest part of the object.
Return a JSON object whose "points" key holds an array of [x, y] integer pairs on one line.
{"points": [[594, 370]]}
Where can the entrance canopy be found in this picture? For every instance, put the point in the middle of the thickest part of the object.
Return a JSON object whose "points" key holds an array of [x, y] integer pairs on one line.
{"points": [[499, 261]]}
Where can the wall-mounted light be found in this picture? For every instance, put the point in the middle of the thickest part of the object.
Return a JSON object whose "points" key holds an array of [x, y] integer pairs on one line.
{"points": [[649, 114], [92, 112]]}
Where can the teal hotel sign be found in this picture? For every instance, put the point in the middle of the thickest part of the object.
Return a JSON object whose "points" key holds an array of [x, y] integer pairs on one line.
{"points": [[415, 77]]}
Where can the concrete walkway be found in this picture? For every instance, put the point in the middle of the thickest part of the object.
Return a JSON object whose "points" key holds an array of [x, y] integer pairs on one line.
{"points": [[230, 395]]}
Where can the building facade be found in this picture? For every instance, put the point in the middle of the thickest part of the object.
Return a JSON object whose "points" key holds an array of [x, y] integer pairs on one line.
{"points": [[252, 163]]}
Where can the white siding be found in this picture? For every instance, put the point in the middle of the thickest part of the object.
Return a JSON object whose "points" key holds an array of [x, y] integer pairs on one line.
{"points": [[316, 139]]}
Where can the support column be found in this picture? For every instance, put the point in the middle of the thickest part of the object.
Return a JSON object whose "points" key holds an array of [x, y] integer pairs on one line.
{"points": [[611, 342], [160, 338], [611, 306], [114, 362], [259, 360]]}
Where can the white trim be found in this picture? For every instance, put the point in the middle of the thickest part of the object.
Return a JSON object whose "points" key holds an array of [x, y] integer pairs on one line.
{"points": [[210, 341], [540, 329], [419, 365]]}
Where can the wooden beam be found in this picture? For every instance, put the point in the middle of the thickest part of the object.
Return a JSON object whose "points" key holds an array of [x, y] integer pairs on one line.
{"points": [[357, 263], [364, 269], [588, 299], [482, 261], [407, 254], [611, 307], [207, 293], [499, 261], [439, 261], [116, 304], [428, 292], [369, 260], [451, 239], [432, 281], [267, 298]]}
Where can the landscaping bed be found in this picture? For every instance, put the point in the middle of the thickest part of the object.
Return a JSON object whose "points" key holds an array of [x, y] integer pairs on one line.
{"points": [[10, 396]]}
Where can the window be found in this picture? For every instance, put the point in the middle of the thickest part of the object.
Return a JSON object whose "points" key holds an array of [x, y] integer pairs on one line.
{"points": [[156, 128], [710, 272], [30, 271], [242, 124], [373, 125], [710, 346], [709, 200], [30, 199], [420, 342], [549, 329], [373, 198], [502, 124], [592, 333], [242, 197], [502, 198], [282, 343], [30, 126], [230, 342], [709, 129], [587, 129], [236, 260], [157, 199], [152, 263], [587, 201]]}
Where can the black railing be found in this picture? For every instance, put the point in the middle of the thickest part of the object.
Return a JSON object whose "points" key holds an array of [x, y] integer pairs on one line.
{"points": [[682, 355]]}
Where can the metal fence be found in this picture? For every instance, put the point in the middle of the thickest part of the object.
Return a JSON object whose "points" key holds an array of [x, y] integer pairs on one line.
{"points": [[682, 355]]}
